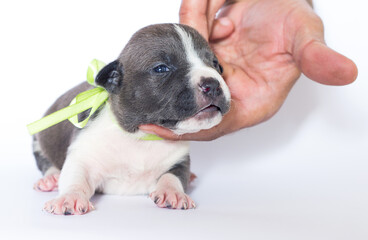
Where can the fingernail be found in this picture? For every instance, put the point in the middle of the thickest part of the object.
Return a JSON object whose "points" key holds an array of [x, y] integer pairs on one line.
{"points": [[225, 21], [143, 129]]}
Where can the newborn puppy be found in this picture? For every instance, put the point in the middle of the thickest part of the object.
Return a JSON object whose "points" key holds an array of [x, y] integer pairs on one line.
{"points": [[166, 75]]}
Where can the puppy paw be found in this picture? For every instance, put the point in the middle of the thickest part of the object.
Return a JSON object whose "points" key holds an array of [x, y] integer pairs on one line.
{"points": [[47, 183], [172, 199], [69, 204]]}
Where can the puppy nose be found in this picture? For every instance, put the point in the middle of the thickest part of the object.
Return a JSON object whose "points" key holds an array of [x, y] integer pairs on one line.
{"points": [[210, 87]]}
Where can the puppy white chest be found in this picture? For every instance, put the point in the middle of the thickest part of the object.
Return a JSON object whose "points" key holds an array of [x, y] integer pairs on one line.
{"points": [[118, 162]]}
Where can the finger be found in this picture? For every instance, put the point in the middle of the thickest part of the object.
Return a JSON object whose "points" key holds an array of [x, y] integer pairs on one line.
{"points": [[194, 14], [322, 64], [204, 135], [221, 28], [213, 7], [159, 131]]}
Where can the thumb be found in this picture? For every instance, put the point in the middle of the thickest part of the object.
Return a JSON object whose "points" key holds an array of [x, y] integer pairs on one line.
{"points": [[322, 64], [316, 60]]}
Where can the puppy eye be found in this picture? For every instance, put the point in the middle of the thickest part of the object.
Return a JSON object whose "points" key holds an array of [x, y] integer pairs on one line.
{"points": [[218, 66], [161, 69]]}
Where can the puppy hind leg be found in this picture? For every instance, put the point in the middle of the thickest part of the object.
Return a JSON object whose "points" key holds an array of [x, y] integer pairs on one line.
{"points": [[169, 193], [51, 174], [170, 188], [49, 182]]}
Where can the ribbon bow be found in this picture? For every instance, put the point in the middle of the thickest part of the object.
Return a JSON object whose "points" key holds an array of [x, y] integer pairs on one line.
{"points": [[90, 99]]}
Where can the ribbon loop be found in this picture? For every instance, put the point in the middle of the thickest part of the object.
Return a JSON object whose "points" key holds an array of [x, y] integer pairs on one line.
{"points": [[90, 99], [94, 97]]}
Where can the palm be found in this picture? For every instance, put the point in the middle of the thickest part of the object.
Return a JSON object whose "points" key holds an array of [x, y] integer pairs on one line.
{"points": [[262, 71]]}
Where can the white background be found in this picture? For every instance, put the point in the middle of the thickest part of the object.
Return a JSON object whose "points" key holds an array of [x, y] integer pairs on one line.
{"points": [[301, 175]]}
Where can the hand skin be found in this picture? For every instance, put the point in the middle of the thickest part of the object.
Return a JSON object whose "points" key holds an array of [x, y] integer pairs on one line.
{"points": [[263, 46]]}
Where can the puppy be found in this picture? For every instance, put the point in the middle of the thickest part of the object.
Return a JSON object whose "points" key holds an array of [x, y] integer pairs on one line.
{"points": [[166, 75]]}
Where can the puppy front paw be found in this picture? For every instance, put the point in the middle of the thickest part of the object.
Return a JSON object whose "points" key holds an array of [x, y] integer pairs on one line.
{"points": [[69, 204], [172, 199]]}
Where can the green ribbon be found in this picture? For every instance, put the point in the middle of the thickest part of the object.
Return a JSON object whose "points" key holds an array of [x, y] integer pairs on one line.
{"points": [[90, 99]]}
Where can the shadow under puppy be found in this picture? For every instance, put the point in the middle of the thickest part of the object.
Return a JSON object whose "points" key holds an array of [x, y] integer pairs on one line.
{"points": [[166, 75]]}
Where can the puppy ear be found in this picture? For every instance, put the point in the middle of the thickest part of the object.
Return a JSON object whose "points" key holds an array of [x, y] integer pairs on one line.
{"points": [[110, 77]]}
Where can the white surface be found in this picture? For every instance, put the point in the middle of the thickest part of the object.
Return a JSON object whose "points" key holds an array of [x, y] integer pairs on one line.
{"points": [[301, 175]]}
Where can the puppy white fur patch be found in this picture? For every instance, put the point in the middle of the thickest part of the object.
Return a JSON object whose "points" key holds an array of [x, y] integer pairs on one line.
{"points": [[198, 68]]}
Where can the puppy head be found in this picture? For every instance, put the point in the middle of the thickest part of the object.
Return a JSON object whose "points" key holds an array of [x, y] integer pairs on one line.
{"points": [[166, 75]]}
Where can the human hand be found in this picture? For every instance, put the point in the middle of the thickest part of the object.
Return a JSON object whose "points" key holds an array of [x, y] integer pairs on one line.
{"points": [[263, 46]]}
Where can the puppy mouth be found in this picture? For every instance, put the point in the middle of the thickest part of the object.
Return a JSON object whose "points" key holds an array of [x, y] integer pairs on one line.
{"points": [[210, 108], [208, 111]]}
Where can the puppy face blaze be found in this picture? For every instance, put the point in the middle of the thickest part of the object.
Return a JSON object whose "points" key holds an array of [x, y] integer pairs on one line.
{"points": [[166, 75]]}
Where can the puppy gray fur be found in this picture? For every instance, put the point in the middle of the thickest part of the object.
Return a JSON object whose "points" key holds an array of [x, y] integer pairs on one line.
{"points": [[166, 75]]}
